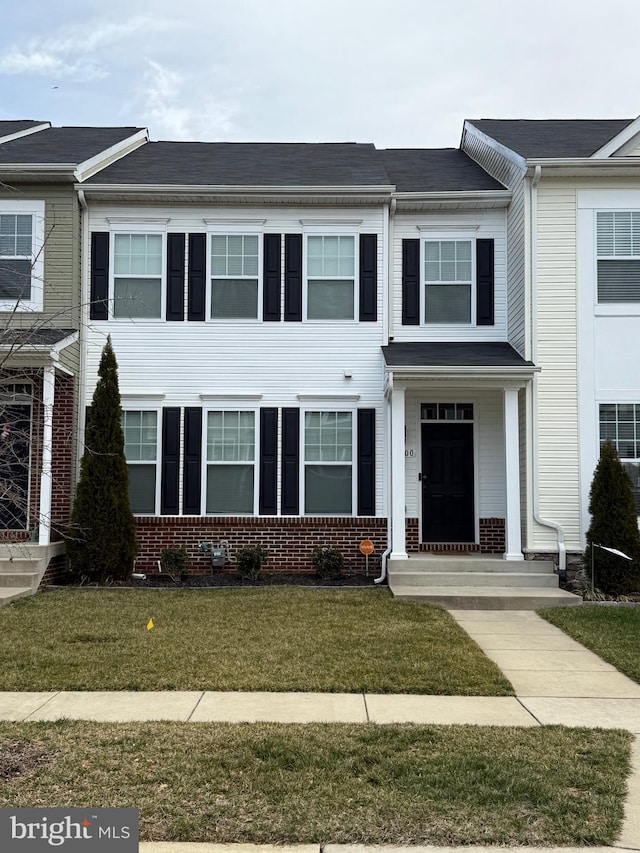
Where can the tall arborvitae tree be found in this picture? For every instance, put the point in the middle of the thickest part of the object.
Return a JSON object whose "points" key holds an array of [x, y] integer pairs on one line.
{"points": [[614, 524], [102, 542]]}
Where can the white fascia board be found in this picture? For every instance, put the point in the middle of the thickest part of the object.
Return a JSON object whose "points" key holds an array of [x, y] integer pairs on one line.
{"points": [[508, 153], [585, 166], [39, 168], [27, 132], [110, 155], [470, 372], [235, 189], [618, 141], [493, 197]]}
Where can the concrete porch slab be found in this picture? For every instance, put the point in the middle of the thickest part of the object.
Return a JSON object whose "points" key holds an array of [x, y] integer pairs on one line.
{"points": [[448, 710], [588, 713], [281, 708], [119, 707], [18, 706]]}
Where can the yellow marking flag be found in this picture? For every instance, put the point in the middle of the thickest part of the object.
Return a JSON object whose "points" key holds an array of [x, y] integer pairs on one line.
{"points": [[150, 624]]}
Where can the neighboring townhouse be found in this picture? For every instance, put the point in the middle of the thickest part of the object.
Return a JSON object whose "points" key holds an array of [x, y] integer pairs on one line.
{"points": [[573, 254], [243, 288], [40, 311]]}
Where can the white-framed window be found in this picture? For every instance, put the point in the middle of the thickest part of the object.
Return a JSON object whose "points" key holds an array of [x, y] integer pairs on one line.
{"points": [[446, 412], [230, 462], [141, 443], [138, 264], [328, 454], [448, 274], [21, 255], [331, 274], [618, 255], [235, 262], [620, 424]]}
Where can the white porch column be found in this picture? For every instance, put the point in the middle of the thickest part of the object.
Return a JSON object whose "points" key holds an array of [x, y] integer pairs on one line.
{"points": [[48, 395], [398, 535], [513, 550]]}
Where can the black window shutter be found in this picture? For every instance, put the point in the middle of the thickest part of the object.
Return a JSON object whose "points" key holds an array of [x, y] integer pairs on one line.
{"points": [[290, 461], [196, 276], [272, 265], [368, 277], [293, 277], [99, 275], [170, 461], [175, 276], [192, 459], [411, 282], [268, 461], [485, 283], [366, 461]]}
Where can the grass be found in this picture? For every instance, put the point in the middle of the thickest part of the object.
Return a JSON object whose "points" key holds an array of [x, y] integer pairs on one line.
{"points": [[613, 633], [273, 783], [276, 639]]}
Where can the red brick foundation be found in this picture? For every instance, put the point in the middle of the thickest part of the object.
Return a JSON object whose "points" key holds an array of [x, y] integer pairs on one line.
{"points": [[290, 541], [492, 539]]}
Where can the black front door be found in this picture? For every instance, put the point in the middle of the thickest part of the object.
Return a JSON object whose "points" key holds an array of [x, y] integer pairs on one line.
{"points": [[15, 439], [447, 483]]}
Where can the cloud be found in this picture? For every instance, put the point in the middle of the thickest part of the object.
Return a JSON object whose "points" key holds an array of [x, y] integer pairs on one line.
{"points": [[175, 111], [75, 51]]}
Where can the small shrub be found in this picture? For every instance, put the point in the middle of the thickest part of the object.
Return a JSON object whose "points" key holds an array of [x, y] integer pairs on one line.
{"points": [[328, 562], [175, 562], [249, 561]]}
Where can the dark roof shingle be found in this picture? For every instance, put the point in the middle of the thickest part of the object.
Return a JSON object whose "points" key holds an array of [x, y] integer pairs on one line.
{"points": [[62, 145], [533, 138], [445, 354], [8, 128], [435, 170]]}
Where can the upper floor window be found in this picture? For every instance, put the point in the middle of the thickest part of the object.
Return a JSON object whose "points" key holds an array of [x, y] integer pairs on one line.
{"points": [[140, 430], [331, 277], [620, 424], [328, 463], [235, 264], [231, 455], [21, 255], [618, 256], [137, 275], [448, 281]]}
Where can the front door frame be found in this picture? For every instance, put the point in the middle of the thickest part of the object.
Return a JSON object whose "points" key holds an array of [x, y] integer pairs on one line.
{"points": [[22, 399]]}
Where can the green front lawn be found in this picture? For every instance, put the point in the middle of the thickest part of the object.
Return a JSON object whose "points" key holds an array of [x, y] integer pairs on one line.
{"points": [[611, 632], [328, 783], [283, 638]]}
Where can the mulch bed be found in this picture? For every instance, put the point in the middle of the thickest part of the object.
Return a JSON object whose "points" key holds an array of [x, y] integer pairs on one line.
{"points": [[224, 579]]}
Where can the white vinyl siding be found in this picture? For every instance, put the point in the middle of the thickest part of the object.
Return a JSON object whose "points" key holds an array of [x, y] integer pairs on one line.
{"points": [[231, 455], [137, 275], [140, 430]]}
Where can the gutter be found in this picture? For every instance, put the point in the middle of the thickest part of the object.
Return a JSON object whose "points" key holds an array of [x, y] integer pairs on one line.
{"points": [[121, 188], [544, 522]]}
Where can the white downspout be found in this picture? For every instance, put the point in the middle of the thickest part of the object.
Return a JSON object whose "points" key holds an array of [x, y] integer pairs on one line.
{"points": [[85, 300], [389, 460], [544, 522], [48, 397]]}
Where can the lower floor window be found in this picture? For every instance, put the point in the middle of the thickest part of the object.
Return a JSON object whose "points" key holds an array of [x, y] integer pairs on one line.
{"points": [[328, 463], [620, 424], [141, 450], [230, 462]]}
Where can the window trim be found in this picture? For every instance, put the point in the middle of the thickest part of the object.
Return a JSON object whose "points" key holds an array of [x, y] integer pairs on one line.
{"points": [[458, 236], [600, 441], [331, 231], [618, 307], [137, 228], [141, 406], [328, 407], [36, 209], [234, 229], [232, 407]]}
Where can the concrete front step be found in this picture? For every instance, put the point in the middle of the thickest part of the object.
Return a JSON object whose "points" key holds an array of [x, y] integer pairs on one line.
{"points": [[469, 563], [12, 565], [488, 598], [19, 579], [10, 593], [400, 579]]}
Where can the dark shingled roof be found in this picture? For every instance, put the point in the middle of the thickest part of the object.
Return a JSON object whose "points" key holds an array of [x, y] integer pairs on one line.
{"points": [[62, 145], [435, 170], [443, 354], [248, 164], [8, 128], [24, 338], [550, 137]]}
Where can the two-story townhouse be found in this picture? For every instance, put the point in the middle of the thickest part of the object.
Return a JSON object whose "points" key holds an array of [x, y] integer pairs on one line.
{"points": [[243, 288], [40, 227], [574, 254]]}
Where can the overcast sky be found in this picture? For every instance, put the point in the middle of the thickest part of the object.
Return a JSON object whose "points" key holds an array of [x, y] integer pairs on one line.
{"points": [[402, 73]]}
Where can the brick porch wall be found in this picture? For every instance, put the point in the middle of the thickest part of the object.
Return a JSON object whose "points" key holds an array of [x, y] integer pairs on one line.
{"points": [[62, 461], [290, 541], [492, 539]]}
